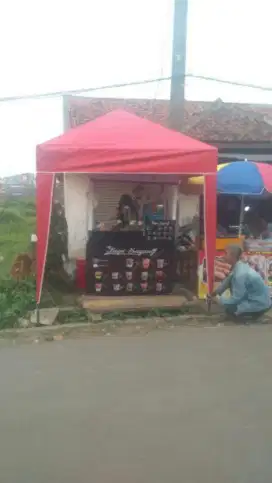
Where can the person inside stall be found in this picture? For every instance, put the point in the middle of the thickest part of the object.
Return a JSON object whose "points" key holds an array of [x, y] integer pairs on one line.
{"points": [[127, 212], [257, 227], [228, 209], [57, 254], [249, 296]]}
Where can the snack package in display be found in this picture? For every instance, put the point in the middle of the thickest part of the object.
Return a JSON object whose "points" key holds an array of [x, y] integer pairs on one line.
{"points": [[98, 287], [146, 263], [144, 276], [98, 275], [117, 287], [160, 275], [160, 263], [115, 275], [129, 262], [159, 287], [129, 275]]}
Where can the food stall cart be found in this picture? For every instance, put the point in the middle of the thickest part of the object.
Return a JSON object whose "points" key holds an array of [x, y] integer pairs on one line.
{"points": [[134, 252], [123, 146], [243, 179], [131, 262]]}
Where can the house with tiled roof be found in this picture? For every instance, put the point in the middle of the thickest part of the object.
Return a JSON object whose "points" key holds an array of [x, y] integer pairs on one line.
{"points": [[18, 185], [238, 130]]}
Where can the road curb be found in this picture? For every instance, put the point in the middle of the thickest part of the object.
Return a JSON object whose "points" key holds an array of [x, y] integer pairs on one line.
{"points": [[130, 326]]}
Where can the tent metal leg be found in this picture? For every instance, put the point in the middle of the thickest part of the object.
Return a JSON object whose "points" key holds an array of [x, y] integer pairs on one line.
{"points": [[37, 314]]}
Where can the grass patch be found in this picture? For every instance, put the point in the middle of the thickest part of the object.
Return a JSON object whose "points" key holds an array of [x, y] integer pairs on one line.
{"points": [[16, 299], [79, 315], [76, 316], [145, 314], [17, 223], [10, 216]]}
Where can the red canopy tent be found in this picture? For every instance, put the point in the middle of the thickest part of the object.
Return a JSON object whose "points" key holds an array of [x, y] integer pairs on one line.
{"points": [[120, 142]]}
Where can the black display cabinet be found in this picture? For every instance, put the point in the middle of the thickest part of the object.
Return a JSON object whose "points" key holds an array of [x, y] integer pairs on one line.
{"points": [[130, 262]]}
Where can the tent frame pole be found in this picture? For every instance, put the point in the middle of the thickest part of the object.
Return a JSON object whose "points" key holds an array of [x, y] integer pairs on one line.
{"points": [[177, 211], [241, 219]]}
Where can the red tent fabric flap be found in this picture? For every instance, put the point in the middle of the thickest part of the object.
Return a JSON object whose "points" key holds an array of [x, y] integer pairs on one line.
{"points": [[210, 226], [44, 196]]}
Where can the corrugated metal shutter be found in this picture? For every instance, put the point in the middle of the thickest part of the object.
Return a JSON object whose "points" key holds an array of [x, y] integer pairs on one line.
{"points": [[108, 195]]}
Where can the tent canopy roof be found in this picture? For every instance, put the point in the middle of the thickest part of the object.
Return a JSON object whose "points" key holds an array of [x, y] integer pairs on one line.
{"points": [[120, 142]]}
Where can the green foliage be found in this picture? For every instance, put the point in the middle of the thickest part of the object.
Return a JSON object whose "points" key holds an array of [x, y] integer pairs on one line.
{"points": [[10, 215], [17, 223], [16, 299]]}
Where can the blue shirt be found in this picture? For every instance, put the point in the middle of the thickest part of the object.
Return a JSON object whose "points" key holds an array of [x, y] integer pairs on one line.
{"points": [[248, 290]]}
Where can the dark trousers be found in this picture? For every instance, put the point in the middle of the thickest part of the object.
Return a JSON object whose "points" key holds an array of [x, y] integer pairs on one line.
{"points": [[230, 312]]}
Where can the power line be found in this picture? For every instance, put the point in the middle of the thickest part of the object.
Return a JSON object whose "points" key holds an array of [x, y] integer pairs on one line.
{"points": [[232, 83], [130, 84]]}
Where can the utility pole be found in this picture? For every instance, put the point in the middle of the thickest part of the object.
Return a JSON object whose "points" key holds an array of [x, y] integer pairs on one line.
{"points": [[176, 115]]}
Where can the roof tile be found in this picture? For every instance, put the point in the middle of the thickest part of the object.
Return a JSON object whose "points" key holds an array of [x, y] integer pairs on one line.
{"points": [[211, 122]]}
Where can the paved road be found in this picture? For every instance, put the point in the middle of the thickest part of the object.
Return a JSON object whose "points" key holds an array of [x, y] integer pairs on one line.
{"points": [[190, 405]]}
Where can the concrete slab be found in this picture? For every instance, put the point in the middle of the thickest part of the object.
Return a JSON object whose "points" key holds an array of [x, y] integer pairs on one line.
{"points": [[47, 316], [133, 303]]}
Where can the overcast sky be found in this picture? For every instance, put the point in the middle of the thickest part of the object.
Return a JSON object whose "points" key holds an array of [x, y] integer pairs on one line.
{"points": [[62, 45]]}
